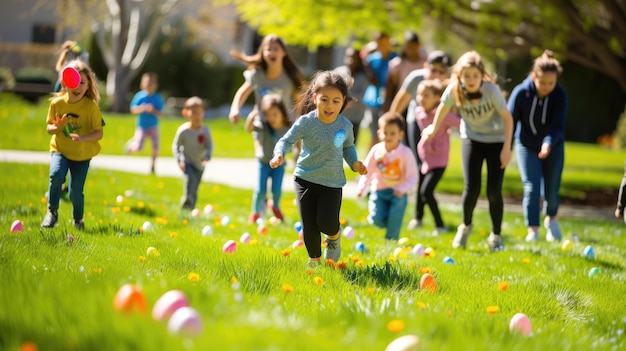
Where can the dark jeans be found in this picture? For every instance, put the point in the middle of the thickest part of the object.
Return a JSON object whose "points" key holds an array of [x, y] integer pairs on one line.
{"points": [[59, 166], [193, 178], [426, 195], [535, 172], [319, 208], [473, 153]]}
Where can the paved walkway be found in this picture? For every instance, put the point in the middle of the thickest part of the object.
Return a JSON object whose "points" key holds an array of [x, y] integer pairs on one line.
{"points": [[241, 173]]}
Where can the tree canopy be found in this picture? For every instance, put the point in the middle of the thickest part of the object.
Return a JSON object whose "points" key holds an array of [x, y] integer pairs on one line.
{"points": [[591, 33]]}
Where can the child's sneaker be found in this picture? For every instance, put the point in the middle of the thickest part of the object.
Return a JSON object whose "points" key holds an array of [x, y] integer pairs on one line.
{"points": [[333, 249], [414, 223], [462, 233], [313, 263], [532, 236], [277, 213], [553, 229], [79, 224], [51, 218], [495, 242], [439, 231]]}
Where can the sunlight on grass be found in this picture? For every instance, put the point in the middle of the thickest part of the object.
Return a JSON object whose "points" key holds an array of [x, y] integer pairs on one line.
{"points": [[58, 293]]}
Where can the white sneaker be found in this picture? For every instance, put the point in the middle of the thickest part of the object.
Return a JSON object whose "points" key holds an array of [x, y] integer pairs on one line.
{"points": [[553, 229], [333, 249], [532, 236], [462, 233], [414, 223], [495, 242]]}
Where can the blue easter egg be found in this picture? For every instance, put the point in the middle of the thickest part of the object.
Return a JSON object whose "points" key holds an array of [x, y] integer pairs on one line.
{"points": [[297, 226], [359, 246], [588, 252]]}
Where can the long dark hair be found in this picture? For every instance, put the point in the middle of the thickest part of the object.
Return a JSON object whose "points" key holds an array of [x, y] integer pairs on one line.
{"points": [[319, 81]]}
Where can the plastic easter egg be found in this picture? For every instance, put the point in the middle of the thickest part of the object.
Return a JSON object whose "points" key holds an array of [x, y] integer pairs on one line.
{"points": [[588, 252], [119, 199], [348, 232], [245, 238], [207, 230], [69, 238], [297, 226], [594, 271], [260, 222], [429, 252], [428, 283], [274, 221], [168, 303], [521, 324], [17, 226], [185, 321], [399, 252], [448, 260], [575, 237], [297, 244], [359, 246], [70, 77], [418, 249], [229, 247], [403, 241], [128, 298], [152, 251], [261, 229], [195, 212], [567, 244], [225, 220], [146, 226], [208, 209], [404, 343]]}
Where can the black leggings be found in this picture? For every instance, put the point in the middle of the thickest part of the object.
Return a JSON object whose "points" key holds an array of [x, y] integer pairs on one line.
{"points": [[473, 153], [319, 208], [426, 195]]}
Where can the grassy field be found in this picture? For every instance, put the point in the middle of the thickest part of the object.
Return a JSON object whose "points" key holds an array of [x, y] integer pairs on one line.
{"points": [[58, 285], [588, 168]]}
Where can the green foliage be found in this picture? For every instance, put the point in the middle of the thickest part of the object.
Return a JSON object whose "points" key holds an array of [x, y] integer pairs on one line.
{"points": [[59, 294]]}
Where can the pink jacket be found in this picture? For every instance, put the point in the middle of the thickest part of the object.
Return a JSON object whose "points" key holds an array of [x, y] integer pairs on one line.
{"points": [[395, 169], [434, 152]]}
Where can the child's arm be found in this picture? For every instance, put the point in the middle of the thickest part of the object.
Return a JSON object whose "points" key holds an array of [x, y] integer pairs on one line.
{"points": [[505, 154], [249, 125], [442, 111], [93, 136], [411, 174], [240, 97]]}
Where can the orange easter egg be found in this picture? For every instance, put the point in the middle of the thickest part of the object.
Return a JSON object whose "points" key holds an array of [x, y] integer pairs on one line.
{"points": [[128, 298], [428, 283]]}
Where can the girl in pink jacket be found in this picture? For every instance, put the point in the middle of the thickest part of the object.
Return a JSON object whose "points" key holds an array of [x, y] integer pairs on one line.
{"points": [[432, 151]]}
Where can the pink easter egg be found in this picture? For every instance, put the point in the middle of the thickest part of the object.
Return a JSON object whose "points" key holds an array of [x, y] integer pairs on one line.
{"points": [[17, 226], [168, 303], [418, 250], [520, 323], [297, 244], [185, 321], [245, 238], [195, 212], [208, 209], [229, 247], [70, 77], [348, 232]]}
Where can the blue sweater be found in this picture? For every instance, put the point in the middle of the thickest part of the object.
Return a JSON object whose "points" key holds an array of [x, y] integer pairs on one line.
{"points": [[324, 147], [538, 120]]}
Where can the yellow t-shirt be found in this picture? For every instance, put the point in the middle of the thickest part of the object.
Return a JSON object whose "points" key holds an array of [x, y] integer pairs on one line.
{"points": [[84, 118]]}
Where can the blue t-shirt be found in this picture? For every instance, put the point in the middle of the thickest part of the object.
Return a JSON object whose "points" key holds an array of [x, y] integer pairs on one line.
{"points": [[147, 120], [375, 95], [324, 147]]}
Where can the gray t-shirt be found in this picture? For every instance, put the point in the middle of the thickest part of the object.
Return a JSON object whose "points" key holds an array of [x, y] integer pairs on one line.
{"points": [[263, 86], [480, 120], [192, 145], [265, 138], [324, 147], [409, 84]]}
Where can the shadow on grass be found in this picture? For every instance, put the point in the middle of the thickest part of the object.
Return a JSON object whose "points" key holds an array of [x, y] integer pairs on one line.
{"points": [[387, 275]]}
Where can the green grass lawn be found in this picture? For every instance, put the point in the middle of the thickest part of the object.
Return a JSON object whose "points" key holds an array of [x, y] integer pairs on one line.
{"points": [[59, 294], [587, 167]]}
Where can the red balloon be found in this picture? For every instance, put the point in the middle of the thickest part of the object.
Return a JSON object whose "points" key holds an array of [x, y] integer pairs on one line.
{"points": [[70, 77]]}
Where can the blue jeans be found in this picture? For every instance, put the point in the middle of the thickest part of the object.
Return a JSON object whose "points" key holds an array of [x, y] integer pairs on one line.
{"points": [[59, 165], [265, 173], [387, 211], [193, 177], [536, 172]]}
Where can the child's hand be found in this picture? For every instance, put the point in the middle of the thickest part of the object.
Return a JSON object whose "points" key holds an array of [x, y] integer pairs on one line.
{"points": [[60, 122], [505, 157], [234, 116], [544, 152], [75, 137], [397, 193], [276, 161], [149, 108], [617, 213], [182, 166], [359, 167]]}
